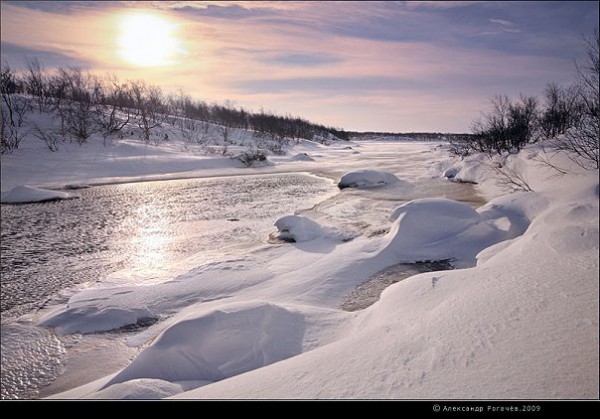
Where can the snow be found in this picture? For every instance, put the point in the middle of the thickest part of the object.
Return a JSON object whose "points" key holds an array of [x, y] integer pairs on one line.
{"points": [[139, 389], [366, 179], [218, 344], [27, 194], [438, 229], [298, 229], [518, 319]]}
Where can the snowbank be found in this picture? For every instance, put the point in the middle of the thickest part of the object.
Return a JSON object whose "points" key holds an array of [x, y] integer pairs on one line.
{"points": [[26, 194], [366, 179], [295, 228]]}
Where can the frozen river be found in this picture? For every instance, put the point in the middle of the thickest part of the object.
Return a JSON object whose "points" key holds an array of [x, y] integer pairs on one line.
{"points": [[138, 231], [147, 226]]}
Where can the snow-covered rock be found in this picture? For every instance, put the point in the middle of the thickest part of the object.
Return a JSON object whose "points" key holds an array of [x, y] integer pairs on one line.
{"points": [[366, 179], [26, 194], [302, 157], [436, 228], [295, 228]]}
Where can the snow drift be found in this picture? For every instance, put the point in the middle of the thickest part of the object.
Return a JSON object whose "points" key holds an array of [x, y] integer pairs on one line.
{"points": [[219, 344], [435, 229], [27, 194]]}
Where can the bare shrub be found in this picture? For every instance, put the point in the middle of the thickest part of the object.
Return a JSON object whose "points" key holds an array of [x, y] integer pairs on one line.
{"points": [[51, 138], [510, 178]]}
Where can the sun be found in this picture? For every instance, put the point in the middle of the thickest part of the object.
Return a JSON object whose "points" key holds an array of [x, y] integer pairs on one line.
{"points": [[148, 40]]}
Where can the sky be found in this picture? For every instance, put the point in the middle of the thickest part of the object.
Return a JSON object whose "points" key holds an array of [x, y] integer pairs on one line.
{"points": [[364, 66]]}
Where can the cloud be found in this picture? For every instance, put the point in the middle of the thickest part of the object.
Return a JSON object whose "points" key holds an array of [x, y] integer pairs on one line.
{"points": [[232, 11], [16, 55], [439, 5], [328, 85], [64, 7], [300, 59], [501, 22]]}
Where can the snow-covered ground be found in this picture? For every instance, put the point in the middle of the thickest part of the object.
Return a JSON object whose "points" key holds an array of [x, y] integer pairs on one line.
{"points": [[518, 319]]}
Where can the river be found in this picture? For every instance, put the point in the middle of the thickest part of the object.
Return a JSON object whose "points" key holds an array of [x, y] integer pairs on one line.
{"points": [[50, 250]]}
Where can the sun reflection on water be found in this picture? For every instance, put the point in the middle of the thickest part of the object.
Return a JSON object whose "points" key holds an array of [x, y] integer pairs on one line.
{"points": [[151, 240]]}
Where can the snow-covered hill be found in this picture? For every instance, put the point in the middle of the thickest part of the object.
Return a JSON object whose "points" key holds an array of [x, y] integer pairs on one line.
{"points": [[176, 150]]}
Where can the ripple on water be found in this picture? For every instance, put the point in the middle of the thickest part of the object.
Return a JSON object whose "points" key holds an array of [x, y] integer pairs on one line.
{"points": [[31, 359]]}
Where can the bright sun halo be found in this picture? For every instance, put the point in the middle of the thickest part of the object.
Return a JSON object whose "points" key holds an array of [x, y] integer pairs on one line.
{"points": [[147, 40]]}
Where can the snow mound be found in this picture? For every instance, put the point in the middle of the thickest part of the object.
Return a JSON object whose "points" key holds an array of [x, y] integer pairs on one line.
{"points": [[27, 194], [295, 228], [366, 179], [253, 159], [302, 157], [220, 343], [436, 228], [140, 389], [91, 319]]}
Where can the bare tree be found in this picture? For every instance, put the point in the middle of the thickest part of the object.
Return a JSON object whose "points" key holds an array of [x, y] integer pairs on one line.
{"points": [[110, 115], [13, 107], [36, 84], [581, 141], [149, 104], [52, 138], [8, 87], [79, 112], [562, 110], [507, 127], [10, 135]]}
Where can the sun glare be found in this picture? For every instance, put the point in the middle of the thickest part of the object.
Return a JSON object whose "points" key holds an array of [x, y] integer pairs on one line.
{"points": [[148, 40]]}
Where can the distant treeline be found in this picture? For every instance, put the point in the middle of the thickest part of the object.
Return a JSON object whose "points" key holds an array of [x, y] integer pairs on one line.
{"points": [[420, 136], [87, 103]]}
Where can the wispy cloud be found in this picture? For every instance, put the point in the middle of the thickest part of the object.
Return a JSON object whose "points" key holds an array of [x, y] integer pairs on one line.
{"points": [[360, 65], [502, 22]]}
